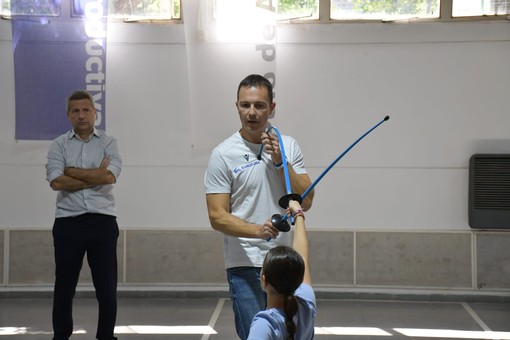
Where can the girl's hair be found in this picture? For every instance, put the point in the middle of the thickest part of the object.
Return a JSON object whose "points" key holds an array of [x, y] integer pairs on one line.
{"points": [[284, 270]]}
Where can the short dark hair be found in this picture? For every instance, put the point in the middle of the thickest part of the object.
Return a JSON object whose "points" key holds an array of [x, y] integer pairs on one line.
{"points": [[79, 95], [256, 80]]}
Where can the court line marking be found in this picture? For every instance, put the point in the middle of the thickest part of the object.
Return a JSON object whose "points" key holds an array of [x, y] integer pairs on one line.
{"points": [[214, 317]]}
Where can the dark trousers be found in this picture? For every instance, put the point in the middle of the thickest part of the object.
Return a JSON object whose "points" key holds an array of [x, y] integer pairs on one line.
{"points": [[95, 235]]}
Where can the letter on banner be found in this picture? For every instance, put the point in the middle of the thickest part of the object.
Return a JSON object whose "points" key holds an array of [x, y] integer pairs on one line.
{"points": [[226, 40]]}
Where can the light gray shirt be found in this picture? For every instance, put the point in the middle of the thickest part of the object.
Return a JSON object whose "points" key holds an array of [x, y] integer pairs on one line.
{"points": [[255, 188], [68, 150]]}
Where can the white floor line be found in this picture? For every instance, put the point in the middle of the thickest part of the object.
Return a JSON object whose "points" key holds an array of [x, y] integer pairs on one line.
{"points": [[214, 317], [475, 316]]}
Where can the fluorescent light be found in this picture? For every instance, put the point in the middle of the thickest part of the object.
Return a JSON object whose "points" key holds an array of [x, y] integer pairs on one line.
{"points": [[30, 331], [13, 330], [137, 329], [453, 334], [351, 331]]}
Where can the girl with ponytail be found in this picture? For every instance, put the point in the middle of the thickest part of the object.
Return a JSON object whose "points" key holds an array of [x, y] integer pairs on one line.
{"points": [[285, 277]]}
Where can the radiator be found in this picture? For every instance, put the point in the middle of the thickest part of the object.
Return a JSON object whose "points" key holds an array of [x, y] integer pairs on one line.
{"points": [[489, 191]]}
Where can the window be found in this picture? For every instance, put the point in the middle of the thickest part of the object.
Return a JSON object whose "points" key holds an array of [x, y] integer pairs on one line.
{"points": [[119, 9], [144, 9], [289, 10], [48, 8], [389, 10], [292, 9], [463, 8], [383, 10]]}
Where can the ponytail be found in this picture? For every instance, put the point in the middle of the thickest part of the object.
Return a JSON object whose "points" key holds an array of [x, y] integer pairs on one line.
{"points": [[290, 308]]}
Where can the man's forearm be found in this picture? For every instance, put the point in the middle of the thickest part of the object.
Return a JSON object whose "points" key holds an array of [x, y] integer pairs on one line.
{"points": [[92, 177], [299, 184], [66, 183], [233, 226]]}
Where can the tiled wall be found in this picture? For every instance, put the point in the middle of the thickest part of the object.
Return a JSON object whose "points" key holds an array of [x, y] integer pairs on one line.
{"points": [[493, 261], [471, 260], [2, 256], [414, 259]]}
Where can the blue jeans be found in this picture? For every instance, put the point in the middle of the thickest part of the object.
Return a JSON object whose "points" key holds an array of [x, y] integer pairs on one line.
{"points": [[248, 297]]}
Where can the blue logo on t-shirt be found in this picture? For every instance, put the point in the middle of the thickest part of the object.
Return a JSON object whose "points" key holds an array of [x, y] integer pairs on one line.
{"points": [[241, 168]]}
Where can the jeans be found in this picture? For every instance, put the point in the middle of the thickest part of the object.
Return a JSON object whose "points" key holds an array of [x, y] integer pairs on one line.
{"points": [[248, 297]]}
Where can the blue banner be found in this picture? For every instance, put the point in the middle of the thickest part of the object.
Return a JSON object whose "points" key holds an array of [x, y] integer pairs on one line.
{"points": [[58, 48]]}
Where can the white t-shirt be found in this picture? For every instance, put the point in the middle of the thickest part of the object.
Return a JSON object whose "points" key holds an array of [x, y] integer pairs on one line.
{"points": [[270, 324], [255, 187]]}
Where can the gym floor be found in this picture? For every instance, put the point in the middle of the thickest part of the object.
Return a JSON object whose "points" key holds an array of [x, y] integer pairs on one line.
{"points": [[150, 318]]}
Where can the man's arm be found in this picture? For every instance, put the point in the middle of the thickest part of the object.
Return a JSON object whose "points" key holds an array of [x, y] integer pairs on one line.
{"points": [[299, 183], [66, 183], [75, 179], [218, 206]]}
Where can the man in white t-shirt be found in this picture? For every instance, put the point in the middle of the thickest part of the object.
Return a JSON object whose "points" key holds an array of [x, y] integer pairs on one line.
{"points": [[242, 193]]}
